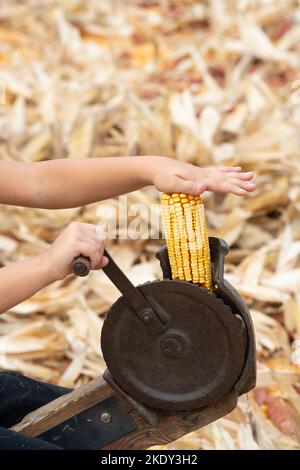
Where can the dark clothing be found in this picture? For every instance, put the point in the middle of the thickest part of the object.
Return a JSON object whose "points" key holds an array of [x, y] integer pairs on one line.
{"points": [[19, 396]]}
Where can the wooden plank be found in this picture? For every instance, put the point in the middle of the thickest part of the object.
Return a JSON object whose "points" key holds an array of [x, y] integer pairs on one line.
{"points": [[165, 429], [171, 428], [41, 420]]}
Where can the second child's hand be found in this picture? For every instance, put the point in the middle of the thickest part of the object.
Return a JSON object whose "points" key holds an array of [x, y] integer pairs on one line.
{"points": [[20, 280], [173, 176]]}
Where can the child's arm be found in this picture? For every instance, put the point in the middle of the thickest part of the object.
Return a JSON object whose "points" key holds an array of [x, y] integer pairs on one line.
{"points": [[19, 281], [74, 182]]}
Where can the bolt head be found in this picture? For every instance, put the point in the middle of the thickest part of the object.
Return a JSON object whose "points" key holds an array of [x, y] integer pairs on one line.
{"points": [[105, 417], [172, 345], [147, 317]]}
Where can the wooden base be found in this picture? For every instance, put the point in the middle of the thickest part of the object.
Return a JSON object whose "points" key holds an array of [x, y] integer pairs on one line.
{"points": [[152, 427]]}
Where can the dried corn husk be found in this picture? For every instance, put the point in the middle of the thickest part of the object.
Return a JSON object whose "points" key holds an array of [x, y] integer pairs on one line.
{"points": [[209, 82]]}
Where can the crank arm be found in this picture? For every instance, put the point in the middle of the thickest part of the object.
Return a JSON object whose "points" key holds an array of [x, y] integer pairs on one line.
{"points": [[150, 318]]}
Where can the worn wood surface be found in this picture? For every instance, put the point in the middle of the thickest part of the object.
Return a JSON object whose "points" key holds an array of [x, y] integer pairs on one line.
{"points": [[44, 418], [166, 428], [170, 428]]}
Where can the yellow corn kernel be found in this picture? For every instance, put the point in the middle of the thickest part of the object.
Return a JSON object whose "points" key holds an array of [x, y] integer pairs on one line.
{"points": [[187, 240]]}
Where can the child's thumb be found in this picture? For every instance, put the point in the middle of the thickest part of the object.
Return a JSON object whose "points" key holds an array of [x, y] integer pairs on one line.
{"points": [[195, 188], [104, 261]]}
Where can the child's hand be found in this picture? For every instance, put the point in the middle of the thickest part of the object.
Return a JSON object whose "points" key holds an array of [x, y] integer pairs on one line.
{"points": [[77, 239], [171, 176]]}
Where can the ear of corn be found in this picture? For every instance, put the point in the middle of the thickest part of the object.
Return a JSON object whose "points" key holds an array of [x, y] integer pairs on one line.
{"points": [[187, 240]]}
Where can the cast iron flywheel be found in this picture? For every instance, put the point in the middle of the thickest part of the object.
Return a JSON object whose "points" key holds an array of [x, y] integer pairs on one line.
{"points": [[174, 346], [194, 362]]}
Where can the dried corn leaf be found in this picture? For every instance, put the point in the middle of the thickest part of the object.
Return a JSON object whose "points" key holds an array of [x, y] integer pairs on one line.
{"points": [[213, 82]]}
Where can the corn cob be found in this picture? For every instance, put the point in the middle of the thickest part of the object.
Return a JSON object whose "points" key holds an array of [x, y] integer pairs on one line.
{"points": [[187, 240]]}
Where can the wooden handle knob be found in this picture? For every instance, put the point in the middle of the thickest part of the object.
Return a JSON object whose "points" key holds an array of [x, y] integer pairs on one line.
{"points": [[81, 266]]}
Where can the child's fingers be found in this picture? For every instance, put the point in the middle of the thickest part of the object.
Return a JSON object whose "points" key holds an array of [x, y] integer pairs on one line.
{"points": [[92, 229], [195, 188], [217, 173], [248, 186], [104, 262], [224, 169], [92, 241], [91, 251], [87, 225], [97, 246], [83, 227], [93, 236], [229, 169], [224, 186], [245, 176], [230, 188], [93, 232]]}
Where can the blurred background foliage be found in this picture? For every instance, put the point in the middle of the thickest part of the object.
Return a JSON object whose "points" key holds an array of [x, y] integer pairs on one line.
{"points": [[208, 82]]}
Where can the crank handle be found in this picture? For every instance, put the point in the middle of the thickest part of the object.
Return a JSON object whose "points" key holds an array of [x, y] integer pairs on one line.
{"points": [[81, 266]]}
